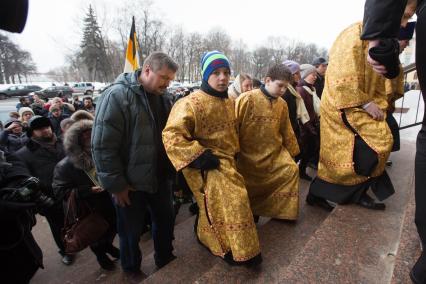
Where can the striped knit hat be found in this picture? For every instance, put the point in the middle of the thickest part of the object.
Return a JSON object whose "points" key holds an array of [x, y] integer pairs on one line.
{"points": [[211, 61]]}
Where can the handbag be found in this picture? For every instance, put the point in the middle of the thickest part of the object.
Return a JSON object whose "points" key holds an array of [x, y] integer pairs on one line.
{"points": [[82, 226]]}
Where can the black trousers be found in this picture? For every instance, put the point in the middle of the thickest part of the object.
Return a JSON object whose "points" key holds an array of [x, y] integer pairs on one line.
{"points": [[103, 204], [130, 220], [55, 218], [309, 151], [420, 161]]}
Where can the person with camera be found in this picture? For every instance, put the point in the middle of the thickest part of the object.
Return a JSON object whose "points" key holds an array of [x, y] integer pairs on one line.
{"points": [[13, 138], [75, 173], [40, 155], [20, 255]]}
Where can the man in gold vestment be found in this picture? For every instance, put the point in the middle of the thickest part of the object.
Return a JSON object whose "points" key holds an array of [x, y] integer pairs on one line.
{"points": [[201, 140], [355, 138], [268, 146]]}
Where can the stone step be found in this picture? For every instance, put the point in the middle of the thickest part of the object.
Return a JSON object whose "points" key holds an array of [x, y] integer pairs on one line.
{"points": [[409, 246], [192, 258], [280, 242], [85, 268], [357, 245]]}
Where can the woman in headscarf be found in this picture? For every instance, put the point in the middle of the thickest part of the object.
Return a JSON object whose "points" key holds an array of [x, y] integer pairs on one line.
{"points": [[309, 130], [243, 83]]}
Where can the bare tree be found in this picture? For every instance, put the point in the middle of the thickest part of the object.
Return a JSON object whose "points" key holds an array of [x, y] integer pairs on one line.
{"points": [[262, 60], [15, 63], [240, 58], [194, 51], [217, 39], [176, 49], [276, 46]]}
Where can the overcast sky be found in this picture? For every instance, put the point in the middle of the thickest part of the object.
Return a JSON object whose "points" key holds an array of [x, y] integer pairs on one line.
{"points": [[53, 27]]}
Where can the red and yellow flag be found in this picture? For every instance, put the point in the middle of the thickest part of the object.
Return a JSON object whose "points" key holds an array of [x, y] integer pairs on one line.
{"points": [[132, 56]]}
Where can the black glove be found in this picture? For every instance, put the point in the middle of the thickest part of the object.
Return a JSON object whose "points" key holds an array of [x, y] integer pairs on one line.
{"points": [[387, 53], [206, 161]]}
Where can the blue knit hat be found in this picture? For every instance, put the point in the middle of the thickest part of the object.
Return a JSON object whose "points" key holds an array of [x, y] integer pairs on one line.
{"points": [[211, 61]]}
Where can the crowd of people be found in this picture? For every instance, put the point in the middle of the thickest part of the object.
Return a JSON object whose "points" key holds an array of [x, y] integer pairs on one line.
{"points": [[238, 149]]}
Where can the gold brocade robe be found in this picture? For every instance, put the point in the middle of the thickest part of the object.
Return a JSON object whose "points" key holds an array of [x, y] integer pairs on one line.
{"points": [[350, 83], [265, 160], [196, 123]]}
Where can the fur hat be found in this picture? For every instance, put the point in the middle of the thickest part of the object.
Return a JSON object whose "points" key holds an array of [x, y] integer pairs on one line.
{"points": [[37, 122], [73, 147], [82, 114]]}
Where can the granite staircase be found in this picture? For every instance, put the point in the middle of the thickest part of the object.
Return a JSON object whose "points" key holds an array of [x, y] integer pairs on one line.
{"points": [[349, 245]]}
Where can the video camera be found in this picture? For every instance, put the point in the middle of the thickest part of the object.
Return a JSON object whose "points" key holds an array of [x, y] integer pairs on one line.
{"points": [[27, 191]]}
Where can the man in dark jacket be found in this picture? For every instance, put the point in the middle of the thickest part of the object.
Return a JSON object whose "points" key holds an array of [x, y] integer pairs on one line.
{"points": [[130, 159], [40, 156], [20, 255], [321, 66], [382, 20], [88, 105]]}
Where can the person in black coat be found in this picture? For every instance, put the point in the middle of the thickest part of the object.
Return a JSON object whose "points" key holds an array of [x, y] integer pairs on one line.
{"points": [[382, 20], [56, 116], [321, 65], [20, 255], [72, 173], [13, 138], [40, 156]]}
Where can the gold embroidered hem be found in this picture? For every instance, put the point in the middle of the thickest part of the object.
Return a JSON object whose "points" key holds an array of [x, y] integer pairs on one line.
{"points": [[196, 123], [350, 83], [265, 160]]}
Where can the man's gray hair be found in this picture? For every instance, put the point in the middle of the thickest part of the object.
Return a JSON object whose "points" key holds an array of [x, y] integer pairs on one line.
{"points": [[157, 60]]}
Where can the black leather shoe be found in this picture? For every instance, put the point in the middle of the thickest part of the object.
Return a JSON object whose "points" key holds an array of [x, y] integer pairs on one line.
{"points": [[418, 272], [163, 262], [105, 262], [304, 176], [252, 262], [369, 203], [256, 218], [318, 201], [68, 259], [193, 208]]}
